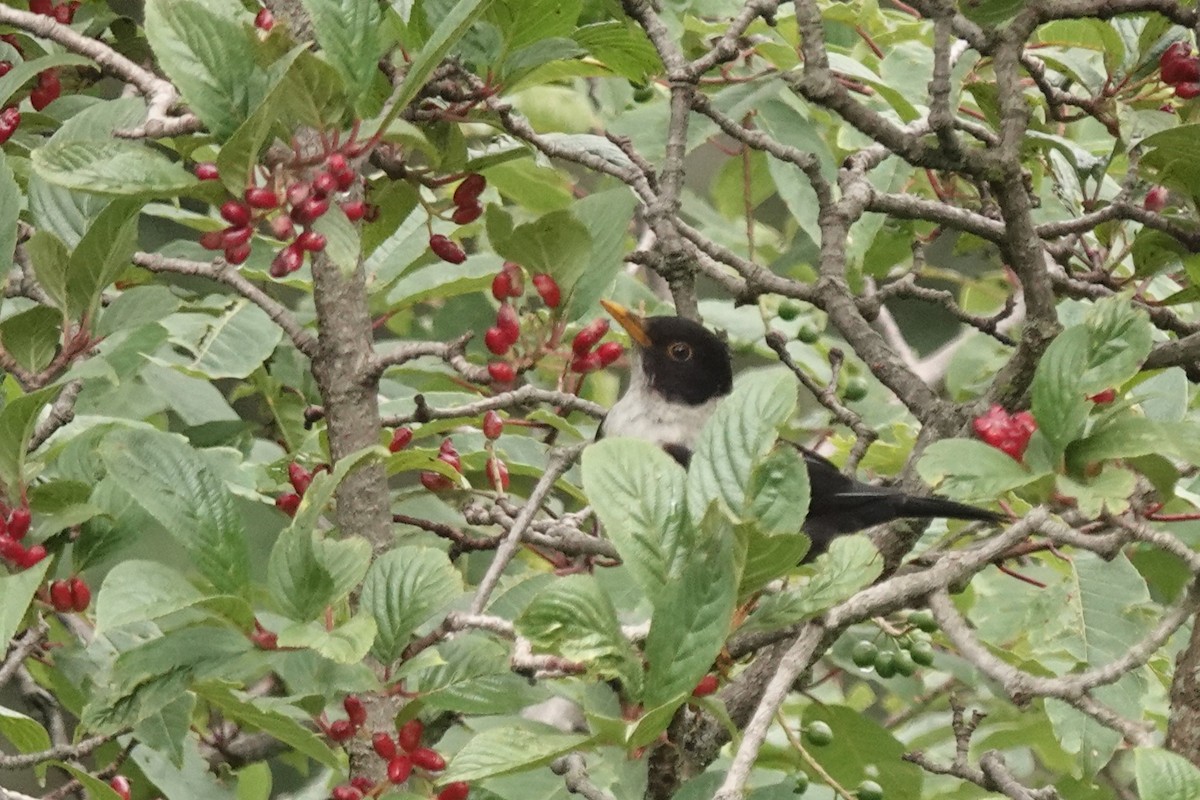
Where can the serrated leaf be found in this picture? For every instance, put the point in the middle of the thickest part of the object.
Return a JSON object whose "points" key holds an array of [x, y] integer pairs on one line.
{"points": [[348, 643], [206, 50], [470, 675], [768, 557], [235, 343], [638, 493], [966, 469], [16, 593], [779, 492], [692, 616], [575, 619], [349, 34], [9, 212], [1163, 775], [49, 257], [17, 421], [403, 588], [116, 167], [740, 432], [32, 337], [510, 748], [299, 583], [1059, 404], [174, 484], [548, 243], [291, 730], [141, 591], [104, 251]]}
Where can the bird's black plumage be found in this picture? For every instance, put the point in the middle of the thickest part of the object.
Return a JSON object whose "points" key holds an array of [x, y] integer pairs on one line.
{"points": [[681, 371]]}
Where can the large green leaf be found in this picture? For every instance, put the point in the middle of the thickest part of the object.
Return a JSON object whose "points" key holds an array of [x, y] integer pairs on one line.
{"points": [[779, 492], [967, 469], [257, 713], [16, 593], [349, 34], [234, 344], [17, 421], [348, 643], [403, 588], [637, 491], [103, 252], [1163, 775], [207, 50], [141, 591], [740, 432], [116, 167], [520, 746], [174, 484], [24, 733], [9, 212], [469, 674]]}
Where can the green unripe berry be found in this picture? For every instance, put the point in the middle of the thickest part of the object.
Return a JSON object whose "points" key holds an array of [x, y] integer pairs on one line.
{"points": [[808, 333], [856, 389], [818, 733], [869, 790], [789, 309], [801, 783], [885, 664], [905, 665], [923, 620], [864, 653], [922, 653]]}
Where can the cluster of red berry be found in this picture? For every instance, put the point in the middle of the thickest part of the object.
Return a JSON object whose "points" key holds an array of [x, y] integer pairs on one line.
{"points": [[507, 287], [72, 594], [120, 784], [48, 86], [587, 359], [63, 12], [403, 753], [466, 209], [436, 481], [300, 478], [306, 201], [1180, 68], [1004, 431], [14, 524], [496, 469]]}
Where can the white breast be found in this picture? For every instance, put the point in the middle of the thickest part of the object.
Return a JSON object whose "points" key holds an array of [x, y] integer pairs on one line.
{"points": [[642, 413]]}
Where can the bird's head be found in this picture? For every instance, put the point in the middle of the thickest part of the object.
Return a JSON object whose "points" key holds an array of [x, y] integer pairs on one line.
{"points": [[678, 358]]}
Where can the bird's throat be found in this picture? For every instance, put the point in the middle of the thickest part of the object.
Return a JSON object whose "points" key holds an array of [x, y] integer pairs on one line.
{"points": [[643, 413]]}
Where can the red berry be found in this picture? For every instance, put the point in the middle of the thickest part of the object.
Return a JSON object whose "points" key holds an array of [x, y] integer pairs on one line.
{"points": [[468, 213], [288, 503], [501, 372], [706, 686], [120, 785], [207, 171], [401, 437], [409, 735], [264, 20], [234, 236], [469, 190], [299, 477], [261, 197], [448, 454], [287, 261], [10, 120], [1008, 433], [589, 362], [64, 13], [587, 338], [11, 549], [213, 240], [298, 192], [60, 596], [399, 768], [237, 254], [547, 289], [428, 759], [609, 352], [435, 481], [345, 178], [356, 712], [43, 7], [502, 286], [264, 639], [341, 730], [455, 791], [5, 68], [18, 522], [30, 557], [47, 90], [1105, 397], [311, 241], [81, 595], [508, 322], [497, 473], [446, 250], [337, 162], [310, 210], [324, 183], [1178, 65], [384, 745], [497, 341], [493, 425], [362, 783], [1156, 199], [1187, 90], [354, 210], [235, 213], [282, 227], [516, 277]]}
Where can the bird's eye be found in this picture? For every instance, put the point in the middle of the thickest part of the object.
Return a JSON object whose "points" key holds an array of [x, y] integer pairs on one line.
{"points": [[679, 351]]}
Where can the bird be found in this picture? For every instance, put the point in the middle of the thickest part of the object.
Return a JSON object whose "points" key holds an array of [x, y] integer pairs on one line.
{"points": [[681, 371]]}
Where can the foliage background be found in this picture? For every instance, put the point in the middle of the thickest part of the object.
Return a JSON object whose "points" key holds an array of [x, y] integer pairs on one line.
{"points": [[922, 208]]}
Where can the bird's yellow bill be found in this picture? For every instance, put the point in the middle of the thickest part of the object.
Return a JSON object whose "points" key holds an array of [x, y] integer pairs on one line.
{"points": [[633, 324]]}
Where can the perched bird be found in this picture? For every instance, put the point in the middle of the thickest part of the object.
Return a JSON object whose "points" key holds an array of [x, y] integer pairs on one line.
{"points": [[681, 371]]}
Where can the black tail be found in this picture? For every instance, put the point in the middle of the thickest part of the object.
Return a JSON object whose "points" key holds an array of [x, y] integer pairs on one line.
{"points": [[922, 507]]}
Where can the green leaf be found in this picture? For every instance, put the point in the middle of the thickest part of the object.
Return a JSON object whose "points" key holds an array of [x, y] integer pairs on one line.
{"points": [[637, 491], [207, 51], [862, 749], [23, 732], [1163, 775], [470, 675], [453, 25], [606, 216], [768, 557], [299, 583], [50, 257], [16, 593], [173, 483], [966, 469], [575, 619], [96, 788], [346, 644], [343, 246], [17, 421], [403, 588], [851, 563], [779, 492], [117, 167], [1129, 436], [234, 344], [740, 432], [442, 280], [349, 34], [257, 714], [103, 252], [9, 212], [621, 47], [143, 591], [692, 616], [548, 244], [511, 748]]}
